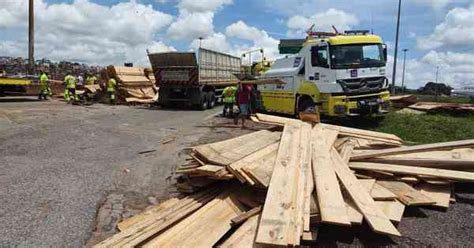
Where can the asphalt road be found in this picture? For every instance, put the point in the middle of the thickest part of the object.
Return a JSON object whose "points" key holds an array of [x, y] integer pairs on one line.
{"points": [[58, 162]]}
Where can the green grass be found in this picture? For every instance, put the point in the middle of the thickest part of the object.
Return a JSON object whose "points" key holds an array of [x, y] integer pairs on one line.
{"points": [[428, 128], [419, 129], [445, 99]]}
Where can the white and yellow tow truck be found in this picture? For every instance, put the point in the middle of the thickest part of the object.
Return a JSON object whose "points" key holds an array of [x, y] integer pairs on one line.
{"points": [[343, 74]]}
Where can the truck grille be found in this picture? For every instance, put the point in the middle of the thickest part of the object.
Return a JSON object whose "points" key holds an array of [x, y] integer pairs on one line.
{"points": [[362, 85]]}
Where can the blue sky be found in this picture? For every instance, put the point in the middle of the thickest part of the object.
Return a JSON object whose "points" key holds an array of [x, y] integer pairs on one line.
{"points": [[436, 32]]}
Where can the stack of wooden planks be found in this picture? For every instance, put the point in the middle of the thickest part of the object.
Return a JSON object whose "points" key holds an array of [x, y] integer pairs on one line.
{"points": [[277, 188], [134, 84]]}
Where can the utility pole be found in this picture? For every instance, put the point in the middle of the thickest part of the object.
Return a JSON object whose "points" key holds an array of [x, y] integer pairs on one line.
{"points": [[31, 38], [394, 74], [200, 42], [403, 76]]}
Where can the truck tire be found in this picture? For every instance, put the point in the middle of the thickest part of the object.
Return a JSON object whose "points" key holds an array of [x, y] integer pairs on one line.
{"points": [[204, 102], [304, 102], [211, 100]]}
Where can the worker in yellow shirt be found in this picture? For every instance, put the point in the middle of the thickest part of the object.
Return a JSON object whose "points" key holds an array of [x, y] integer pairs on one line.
{"points": [[70, 82], [91, 79], [228, 98], [111, 85], [45, 91]]}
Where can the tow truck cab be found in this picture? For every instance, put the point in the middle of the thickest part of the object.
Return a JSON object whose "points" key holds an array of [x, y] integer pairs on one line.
{"points": [[343, 73]]}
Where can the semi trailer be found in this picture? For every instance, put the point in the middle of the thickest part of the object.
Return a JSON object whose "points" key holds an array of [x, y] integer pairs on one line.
{"points": [[195, 79]]}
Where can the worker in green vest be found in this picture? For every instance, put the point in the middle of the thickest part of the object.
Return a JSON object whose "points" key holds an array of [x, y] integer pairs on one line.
{"points": [[70, 82], [91, 79], [229, 100], [111, 85], [44, 87]]}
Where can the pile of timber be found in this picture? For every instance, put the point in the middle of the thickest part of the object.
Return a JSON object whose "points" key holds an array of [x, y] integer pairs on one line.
{"points": [[443, 107], [279, 187], [135, 84], [403, 101]]}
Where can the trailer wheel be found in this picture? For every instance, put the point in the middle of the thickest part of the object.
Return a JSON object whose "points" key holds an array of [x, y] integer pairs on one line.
{"points": [[204, 102], [211, 97]]}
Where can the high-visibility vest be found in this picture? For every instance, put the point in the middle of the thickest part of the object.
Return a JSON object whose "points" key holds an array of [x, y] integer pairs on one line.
{"points": [[91, 80], [44, 82], [111, 85], [70, 82], [229, 94]]}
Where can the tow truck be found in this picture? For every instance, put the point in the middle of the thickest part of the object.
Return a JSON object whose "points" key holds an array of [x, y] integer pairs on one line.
{"points": [[342, 74], [13, 84]]}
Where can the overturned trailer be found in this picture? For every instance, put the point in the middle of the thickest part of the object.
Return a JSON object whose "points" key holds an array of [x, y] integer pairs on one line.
{"points": [[194, 79]]}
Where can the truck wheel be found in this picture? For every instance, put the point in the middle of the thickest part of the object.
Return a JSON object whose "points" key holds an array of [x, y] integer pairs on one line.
{"points": [[204, 103], [211, 97], [304, 103]]}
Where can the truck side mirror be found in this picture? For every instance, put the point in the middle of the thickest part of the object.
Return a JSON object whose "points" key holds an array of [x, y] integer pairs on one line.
{"points": [[385, 52]]}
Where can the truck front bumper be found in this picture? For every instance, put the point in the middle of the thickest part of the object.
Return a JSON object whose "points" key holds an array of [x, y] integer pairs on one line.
{"points": [[361, 105]]}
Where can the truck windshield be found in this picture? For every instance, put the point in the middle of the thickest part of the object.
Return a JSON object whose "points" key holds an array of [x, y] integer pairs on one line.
{"points": [[356, 56]]}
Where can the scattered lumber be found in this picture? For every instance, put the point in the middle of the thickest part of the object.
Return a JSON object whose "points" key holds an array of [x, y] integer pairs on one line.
{"points": [[403, 101], [418, 148], [276, 188], [440, 107]]}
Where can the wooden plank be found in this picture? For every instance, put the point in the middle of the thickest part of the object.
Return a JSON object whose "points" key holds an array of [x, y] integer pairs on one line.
{"points": [[261, 170], [251, 159], [277, 211], [346, 151], [449, 163], [190, 231], [244, 216], [149, 213], [344, 131], [380, 193], [331, 203], [406, 194], [170, 216], [392, 209], [412, 149], [354, 215], [301, 196], [364, 202], [309, 189], [244, 236], [440, 193], [411, 170], [228, 151]]}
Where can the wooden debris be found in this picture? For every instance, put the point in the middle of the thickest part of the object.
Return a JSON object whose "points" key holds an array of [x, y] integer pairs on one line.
{"points": [[412, 149], [244, 216], [412, 170], [291, 182], [406, 194], [361, 197], [331, 204]]}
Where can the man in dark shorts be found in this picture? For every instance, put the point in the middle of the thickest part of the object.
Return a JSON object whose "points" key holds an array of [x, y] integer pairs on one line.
{"points": [[244, 95]]}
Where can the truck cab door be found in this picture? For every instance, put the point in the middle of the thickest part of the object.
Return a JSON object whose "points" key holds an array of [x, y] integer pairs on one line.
{"points": [[319, 64]]}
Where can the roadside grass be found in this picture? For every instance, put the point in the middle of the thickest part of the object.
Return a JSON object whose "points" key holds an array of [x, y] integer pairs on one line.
{"points": [[418, 128], [444, 99], [428, 128]]}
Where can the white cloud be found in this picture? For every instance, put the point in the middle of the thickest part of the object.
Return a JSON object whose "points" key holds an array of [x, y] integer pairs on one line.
{"points": [[192, 25], [217, 42], [87, 32], [457, 29], [455, 69], [259, 39], [435, 4], [324, 21], [202, 5]]}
